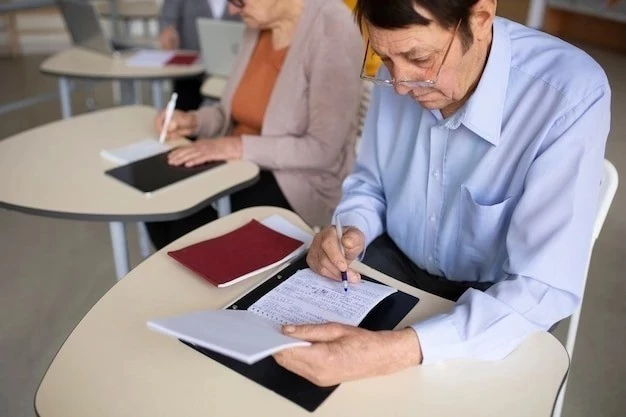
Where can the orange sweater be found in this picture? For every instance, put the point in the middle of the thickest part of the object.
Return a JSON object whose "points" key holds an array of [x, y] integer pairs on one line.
{"points": [[255, 88]]}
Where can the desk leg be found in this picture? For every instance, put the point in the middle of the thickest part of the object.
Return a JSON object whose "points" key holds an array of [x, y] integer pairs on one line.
{"points": [[145, 245], [120, 248], [223, 206], [157, 94], [558, 406], [138, 92], [146, 28], [128, 92], [65, 96], [116, 91]]}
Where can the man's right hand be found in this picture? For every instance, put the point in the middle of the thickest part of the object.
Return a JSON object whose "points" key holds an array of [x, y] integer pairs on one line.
{"points": [[325, 256], [183, 124], [169, 39]]}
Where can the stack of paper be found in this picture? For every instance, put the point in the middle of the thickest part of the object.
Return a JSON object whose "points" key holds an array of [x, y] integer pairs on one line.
{"points": [[134, 151]]}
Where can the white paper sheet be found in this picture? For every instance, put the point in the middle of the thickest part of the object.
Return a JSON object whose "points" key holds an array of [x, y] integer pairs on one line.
{"points": [[238, 334], [134, 152], [147, 58], [308, 298]]}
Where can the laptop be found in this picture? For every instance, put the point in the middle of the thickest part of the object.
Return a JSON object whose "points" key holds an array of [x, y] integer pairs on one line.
{"points": [[83, 22], [219, 44]]}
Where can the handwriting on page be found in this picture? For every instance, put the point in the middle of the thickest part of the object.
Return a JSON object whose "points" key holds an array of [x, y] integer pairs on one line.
{"points": [[308, 298]]}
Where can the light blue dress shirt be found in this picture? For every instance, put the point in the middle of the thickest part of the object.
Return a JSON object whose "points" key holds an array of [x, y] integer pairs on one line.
{"points": [[505, 190]]}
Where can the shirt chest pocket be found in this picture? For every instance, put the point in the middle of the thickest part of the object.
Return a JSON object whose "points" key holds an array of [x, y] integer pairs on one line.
{"points": [[483, 227]]}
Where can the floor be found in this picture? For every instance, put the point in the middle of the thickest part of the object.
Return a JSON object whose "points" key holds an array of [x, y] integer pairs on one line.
{"points": [[53, 270]]}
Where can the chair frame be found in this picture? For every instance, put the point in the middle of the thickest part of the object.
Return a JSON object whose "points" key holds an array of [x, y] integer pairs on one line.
{"points": [[608, 187]]}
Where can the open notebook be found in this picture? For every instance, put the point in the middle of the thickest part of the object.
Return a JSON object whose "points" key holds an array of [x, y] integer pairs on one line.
{"points": [[253, 334]]}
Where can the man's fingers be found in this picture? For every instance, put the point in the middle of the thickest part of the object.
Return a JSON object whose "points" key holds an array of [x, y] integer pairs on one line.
{"points": [[353, 242], [330, 270], [330, 246], [315, 333], [353, 276]]}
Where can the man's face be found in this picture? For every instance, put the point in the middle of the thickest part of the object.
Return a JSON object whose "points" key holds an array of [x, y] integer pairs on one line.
{"points": [[417, 54]]}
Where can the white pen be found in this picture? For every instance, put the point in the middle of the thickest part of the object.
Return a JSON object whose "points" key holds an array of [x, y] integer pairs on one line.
{"points": [[344, 274], [169, 112]]}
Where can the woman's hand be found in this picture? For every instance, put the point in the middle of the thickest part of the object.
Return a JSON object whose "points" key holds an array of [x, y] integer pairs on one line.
{"points": [[181, 125], [207, 150], [169, 39]]}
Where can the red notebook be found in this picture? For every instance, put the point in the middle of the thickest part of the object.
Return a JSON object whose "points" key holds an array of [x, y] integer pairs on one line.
{"points": [[240, 254], [182, 59]]}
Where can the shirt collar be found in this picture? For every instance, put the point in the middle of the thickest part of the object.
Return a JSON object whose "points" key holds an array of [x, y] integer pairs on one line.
{"points": [[483, 112]]}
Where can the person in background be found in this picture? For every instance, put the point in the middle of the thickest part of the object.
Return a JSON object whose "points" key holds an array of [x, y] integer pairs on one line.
{"points": [[478, 180], [177, 30], [290, 106]]}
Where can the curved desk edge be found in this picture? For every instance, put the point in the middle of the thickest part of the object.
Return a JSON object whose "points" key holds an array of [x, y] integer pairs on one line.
{"points": [[265, 275], [122, 77], [132, 217]]}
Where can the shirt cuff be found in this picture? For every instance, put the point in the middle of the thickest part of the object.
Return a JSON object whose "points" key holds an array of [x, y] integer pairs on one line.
{"points": [[439, 339]]}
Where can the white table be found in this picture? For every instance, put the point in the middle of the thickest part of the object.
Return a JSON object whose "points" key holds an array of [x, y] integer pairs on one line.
{"points": [[84, 64], [113, 366], [56, 170]]}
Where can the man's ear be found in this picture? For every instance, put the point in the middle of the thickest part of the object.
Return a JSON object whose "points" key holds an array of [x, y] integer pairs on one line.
{"points": [[481, 19]]}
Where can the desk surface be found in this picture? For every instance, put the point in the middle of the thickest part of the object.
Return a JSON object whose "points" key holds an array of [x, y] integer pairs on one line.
{"points": [[56, 170], [77, 62], [213, 87], [112, 365], [131, 9]]}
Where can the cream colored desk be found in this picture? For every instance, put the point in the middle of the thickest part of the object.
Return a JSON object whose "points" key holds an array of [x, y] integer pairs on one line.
{"points": [[213, 87], [80, 63], [56, 170], [113, 366]]}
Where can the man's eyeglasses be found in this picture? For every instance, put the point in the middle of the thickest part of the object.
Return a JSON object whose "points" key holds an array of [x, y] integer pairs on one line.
{"points": [[237, 3], [428, 83]]}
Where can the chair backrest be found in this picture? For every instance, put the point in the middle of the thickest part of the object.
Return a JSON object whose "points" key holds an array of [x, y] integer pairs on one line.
{"points": [[608, 188]]}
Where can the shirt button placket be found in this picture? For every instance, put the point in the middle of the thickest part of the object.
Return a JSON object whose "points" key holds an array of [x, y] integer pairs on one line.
{"points": [[435, 193]]}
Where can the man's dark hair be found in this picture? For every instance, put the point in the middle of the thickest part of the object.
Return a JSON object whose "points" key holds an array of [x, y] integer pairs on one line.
{"points": [[400, 14]]}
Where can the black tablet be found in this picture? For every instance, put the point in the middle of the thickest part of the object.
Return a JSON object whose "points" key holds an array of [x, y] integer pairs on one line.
{"points": [[153, 173]]}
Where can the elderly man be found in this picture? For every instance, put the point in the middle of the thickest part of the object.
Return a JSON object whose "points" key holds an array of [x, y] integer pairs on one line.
{"points": [[477, 180]]}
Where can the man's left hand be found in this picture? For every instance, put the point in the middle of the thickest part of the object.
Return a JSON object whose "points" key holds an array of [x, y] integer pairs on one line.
{"points": [[207, 150], [342, 353]]}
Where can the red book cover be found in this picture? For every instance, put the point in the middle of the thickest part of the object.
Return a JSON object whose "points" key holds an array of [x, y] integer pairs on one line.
{"points": [[182, 59], [235, 256]]}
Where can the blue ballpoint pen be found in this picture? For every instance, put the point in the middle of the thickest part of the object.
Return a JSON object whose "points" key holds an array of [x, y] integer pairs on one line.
{"points": [[344, 274]]}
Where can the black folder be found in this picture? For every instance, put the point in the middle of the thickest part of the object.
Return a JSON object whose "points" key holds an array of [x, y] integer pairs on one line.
{"points": [[152, 173], [385, 316]]}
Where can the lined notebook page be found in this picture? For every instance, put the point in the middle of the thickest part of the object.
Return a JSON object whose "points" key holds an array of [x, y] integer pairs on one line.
{"points": [[308, 298]]}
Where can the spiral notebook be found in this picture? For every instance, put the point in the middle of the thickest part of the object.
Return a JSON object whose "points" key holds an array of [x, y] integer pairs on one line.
{"points": [[254, 334]]}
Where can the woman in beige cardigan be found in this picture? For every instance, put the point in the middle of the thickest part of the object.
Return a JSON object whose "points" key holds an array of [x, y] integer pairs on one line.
{"points": [[290, 106]]}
